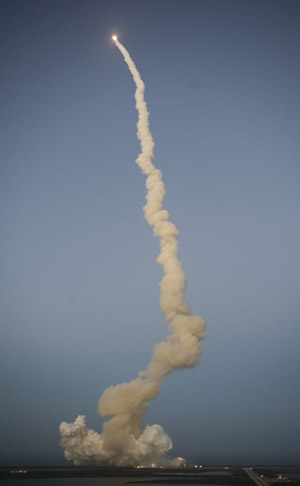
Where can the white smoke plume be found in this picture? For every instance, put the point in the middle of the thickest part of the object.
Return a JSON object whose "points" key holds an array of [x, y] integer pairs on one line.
{"points": [[123, 441]]}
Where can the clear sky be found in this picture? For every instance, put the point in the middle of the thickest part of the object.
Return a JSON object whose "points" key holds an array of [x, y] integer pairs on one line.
{"points": [[79, 281]]}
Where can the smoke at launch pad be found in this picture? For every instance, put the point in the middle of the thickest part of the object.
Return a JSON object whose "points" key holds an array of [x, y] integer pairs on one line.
{"points": [[123, 441]]}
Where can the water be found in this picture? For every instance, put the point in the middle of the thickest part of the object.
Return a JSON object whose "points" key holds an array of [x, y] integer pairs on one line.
{"points": [[67, 482], [83, 482], [194, 475]]}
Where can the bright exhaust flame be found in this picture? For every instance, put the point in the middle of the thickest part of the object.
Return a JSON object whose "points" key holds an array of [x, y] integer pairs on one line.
{"points": [[123, 440], [114, 38]]}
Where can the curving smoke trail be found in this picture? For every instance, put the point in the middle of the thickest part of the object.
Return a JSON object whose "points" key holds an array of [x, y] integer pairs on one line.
{"points": [[123, 442]]}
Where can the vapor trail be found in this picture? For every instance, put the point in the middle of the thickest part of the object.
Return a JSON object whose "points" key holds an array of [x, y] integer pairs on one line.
{"points": [[123, 442]]}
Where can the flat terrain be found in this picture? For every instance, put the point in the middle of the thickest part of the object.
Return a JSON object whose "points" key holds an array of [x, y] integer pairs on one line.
{"points": [[113, 476]]}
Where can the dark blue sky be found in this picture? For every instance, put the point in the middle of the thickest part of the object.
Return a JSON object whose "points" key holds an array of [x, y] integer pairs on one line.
{"points": [[79, 282]]}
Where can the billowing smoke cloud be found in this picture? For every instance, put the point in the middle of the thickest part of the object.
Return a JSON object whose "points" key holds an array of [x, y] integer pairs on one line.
{"points": [[123, 441]]}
